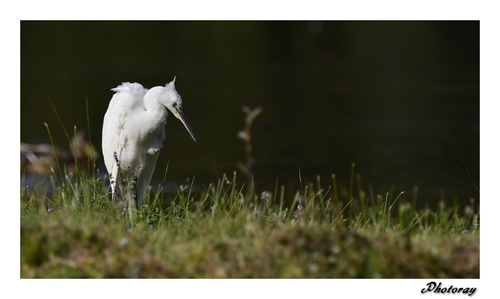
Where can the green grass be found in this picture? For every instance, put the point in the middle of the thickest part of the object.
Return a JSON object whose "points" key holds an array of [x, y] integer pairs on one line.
{"points": [[80, 232]]}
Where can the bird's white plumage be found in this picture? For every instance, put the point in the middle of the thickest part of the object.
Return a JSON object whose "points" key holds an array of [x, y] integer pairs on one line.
{"points": [[134, 129]]}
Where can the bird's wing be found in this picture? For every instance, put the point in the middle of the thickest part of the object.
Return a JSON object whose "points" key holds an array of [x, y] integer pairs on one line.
{"points": [[145, 177], [128, 97]]}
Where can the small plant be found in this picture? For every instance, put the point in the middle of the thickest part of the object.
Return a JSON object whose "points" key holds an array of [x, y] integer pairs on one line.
{"points": [[246, 135]]}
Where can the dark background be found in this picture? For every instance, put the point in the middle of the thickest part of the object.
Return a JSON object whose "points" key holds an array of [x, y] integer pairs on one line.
{"points": [[399, 99]]}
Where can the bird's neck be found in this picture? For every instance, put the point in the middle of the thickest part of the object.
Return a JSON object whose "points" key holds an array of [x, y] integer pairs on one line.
{"points": [[157, 111]]}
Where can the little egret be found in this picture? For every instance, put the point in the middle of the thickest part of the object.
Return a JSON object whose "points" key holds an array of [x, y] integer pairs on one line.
{"points": [[133, 132]]}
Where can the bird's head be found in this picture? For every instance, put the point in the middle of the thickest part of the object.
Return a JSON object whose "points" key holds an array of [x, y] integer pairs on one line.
{"points": [[173, 101]]}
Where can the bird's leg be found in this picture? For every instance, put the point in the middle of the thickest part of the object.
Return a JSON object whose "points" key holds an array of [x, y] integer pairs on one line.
{"points": [[122, 185]]}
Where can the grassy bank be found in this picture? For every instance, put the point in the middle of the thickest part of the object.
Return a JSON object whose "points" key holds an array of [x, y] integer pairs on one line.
{"points": [[219, 232]]}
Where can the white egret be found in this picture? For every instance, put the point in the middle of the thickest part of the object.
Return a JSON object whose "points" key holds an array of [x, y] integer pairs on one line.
{"points": [[133, 133]]}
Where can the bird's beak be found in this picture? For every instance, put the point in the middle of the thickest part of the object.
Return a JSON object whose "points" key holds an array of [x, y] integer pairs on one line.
{"points": [[178, 113]]}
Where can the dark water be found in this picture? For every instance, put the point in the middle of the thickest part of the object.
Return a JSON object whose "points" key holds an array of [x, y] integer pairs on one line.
{"points": [[399, 99]]}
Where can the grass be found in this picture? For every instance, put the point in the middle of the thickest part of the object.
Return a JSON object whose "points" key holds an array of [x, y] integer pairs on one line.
{"points": [[227, 231], [79, 232]]}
